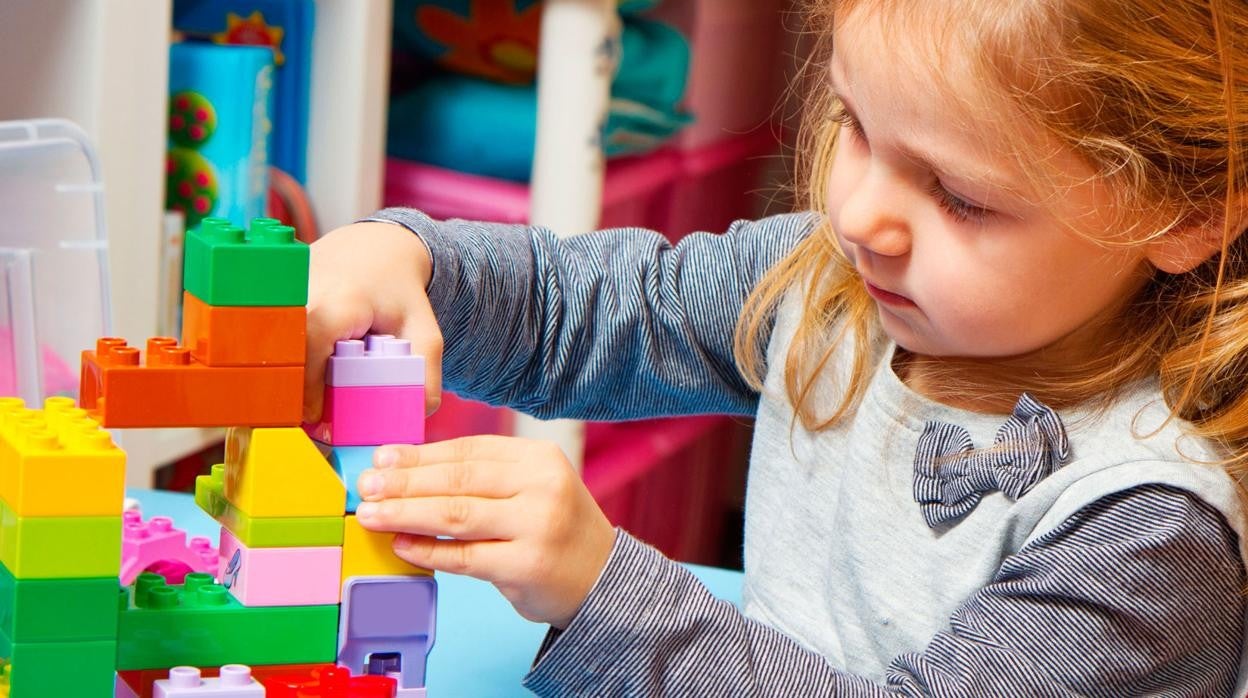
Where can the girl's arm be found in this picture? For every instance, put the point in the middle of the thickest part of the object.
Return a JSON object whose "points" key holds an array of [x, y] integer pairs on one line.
{"points": [[616, 324], [1138, 593]]}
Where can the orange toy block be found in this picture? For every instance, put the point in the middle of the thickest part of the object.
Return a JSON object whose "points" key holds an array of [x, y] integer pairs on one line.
{"points": [[243, 335], [170, 389], [58, 462]]}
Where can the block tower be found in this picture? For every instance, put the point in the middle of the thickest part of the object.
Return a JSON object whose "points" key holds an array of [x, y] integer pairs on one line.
{"points": [[282, 598]]}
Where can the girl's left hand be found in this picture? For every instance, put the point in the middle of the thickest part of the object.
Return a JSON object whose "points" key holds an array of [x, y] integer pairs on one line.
{"points": [[516, 514]]}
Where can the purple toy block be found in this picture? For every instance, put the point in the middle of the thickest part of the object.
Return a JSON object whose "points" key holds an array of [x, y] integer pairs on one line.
{"points": [[280, 576], [146, 543], [387, 626], [234, 682], [379, 359], [368, 415]]}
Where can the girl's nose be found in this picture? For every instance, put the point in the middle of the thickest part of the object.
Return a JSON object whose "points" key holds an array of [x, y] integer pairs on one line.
{"points": [[871, 215]]}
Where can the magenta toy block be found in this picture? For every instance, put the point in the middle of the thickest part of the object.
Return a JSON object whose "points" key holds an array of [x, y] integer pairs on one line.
{"points": [[234, 682], [280, 576], [387, 626], [379, 359], [157, 542], [368, 415]]}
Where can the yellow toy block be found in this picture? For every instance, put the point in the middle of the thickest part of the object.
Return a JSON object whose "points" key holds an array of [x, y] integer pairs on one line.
{"points": [[278, 472], [368, 553], [58, 461]]}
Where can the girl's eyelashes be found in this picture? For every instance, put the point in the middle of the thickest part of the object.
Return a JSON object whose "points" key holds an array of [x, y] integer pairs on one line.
{"points": [[958, 208]]}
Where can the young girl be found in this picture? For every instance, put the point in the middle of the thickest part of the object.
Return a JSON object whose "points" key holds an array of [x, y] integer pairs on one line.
{"points": [[999, 376]]}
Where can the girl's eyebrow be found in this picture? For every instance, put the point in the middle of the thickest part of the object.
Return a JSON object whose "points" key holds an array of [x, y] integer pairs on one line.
{"points": [[976, 174]]}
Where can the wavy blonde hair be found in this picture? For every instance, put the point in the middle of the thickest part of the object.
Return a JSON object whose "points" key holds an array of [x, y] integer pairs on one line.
{"points": [[1149, 93]]}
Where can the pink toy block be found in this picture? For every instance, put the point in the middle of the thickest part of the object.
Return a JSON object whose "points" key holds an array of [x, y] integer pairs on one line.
{"points": [[280, 576], [234, 682], [379, 359], [370, 415], [146, 543]]}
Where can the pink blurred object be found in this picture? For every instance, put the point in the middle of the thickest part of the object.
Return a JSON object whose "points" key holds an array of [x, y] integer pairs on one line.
{"points": [[157, 542], [58, 377], [736, 68]]}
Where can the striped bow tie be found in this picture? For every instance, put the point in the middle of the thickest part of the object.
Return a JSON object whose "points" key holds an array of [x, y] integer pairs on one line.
{"points": [[950, 476]]}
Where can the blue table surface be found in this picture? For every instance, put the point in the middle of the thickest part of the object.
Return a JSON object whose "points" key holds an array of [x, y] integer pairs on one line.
{"points": [[483, 647]]}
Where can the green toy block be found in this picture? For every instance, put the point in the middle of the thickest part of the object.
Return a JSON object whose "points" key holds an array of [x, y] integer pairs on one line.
{"points": [[58, 610], [38, 547], [78, 669], [264, 532], [199, 623], [266, 266]]}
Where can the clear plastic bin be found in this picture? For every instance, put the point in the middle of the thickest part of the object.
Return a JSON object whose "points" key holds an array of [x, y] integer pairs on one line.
{"points": [[53, 257]]}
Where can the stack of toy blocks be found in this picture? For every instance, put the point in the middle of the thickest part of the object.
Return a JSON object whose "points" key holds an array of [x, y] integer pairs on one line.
{"points": [[375, 394], [62, 486]]}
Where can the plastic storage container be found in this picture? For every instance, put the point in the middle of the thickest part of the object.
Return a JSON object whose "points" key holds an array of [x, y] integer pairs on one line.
{"points": [[53, 257]]}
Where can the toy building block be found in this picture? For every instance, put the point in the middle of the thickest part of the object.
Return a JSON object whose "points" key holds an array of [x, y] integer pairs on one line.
{"points": [[264, 532], [265, 267], [58, 610], [58, 461], [368, 553], [123, 689], [364, 415], [143, 681], [349, 462], [280, 576], [170, 389], [280, 473], [329, 682], [78, 669], [146, 543], [378, 359], [388, 620], [40, 547], [200, 624], [227, 335], [233, 681]]}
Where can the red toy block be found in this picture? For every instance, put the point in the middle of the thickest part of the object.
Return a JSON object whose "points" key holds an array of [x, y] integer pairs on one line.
{"points": [[368, 415], [331, 682], [170, 389], [146, 543], [244, 335]]}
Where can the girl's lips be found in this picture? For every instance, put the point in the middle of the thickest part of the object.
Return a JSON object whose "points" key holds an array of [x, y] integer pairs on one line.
{"points": [[888, 297]]}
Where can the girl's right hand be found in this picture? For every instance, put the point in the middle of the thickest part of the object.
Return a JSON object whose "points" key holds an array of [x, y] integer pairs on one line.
{"points": [[369, 278]]}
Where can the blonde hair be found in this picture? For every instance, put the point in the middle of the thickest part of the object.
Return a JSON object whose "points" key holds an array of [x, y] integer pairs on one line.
{"points": [[1149, 93]]}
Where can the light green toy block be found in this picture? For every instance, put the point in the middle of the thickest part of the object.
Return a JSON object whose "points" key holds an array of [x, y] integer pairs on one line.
{"points": [[258, 532], [200, 624], [47, 547], [58, 610], [266, 266], [78, 669]]}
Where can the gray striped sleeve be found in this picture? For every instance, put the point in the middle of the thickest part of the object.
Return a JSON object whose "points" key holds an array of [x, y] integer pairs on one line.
{"points": [[1140, 593], [617, 324]]}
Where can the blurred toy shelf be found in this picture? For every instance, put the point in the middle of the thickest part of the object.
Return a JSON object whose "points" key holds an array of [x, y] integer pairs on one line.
{"points": [[104, 64]]}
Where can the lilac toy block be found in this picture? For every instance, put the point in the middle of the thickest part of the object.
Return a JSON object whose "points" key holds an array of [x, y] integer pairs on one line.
{"points": [[368, 415], [280, 576], [394, 617], [147, 543], [234, 682], [379, 359]]}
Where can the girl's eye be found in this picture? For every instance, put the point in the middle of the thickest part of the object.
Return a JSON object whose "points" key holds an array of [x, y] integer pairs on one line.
{"points": [[847, 121], [957, 208]]}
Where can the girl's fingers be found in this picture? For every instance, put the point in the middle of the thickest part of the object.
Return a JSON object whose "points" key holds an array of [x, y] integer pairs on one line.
{"points": [[469, 479], [464, 518], [469, 448], [481, 559]]}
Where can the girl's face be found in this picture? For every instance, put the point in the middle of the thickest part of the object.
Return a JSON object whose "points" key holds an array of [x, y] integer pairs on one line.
{"points": [[963, 254]]}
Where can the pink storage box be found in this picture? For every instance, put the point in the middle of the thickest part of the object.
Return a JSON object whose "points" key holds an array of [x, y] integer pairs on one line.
{"points": [[736, 75], [720, 183]]}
